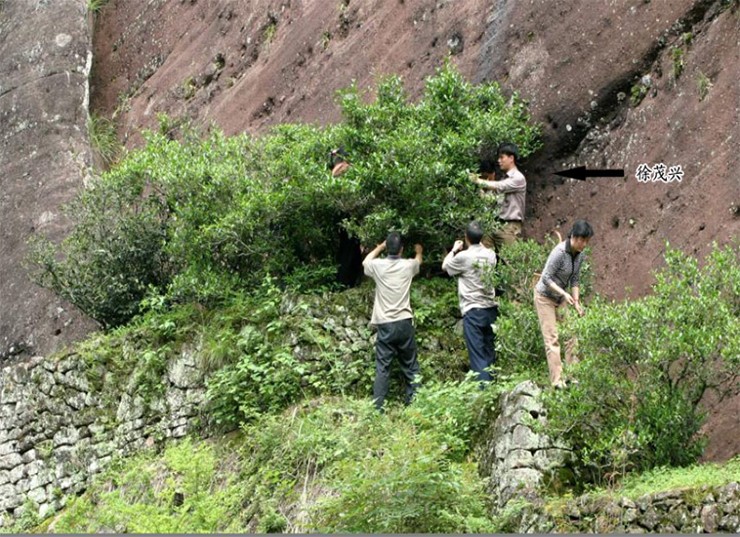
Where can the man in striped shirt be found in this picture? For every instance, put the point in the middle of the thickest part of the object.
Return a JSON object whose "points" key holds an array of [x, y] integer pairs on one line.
{"points": [[562, 271], [514, 188]]}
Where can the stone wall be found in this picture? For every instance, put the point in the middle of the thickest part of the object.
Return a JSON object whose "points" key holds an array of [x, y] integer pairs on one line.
{"points": [[699, 510], [520, 458], [57, 429], [517, 455]]}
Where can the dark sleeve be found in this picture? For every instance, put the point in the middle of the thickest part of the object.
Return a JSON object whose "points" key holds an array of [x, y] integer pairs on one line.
{"points": [[576, 279], [553, 265]]}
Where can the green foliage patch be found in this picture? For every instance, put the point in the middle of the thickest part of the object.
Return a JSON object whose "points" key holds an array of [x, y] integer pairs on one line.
{"points": [[190, 488], [325, 465], [282, 348], [315, 456], [201, 218], [337, 465], [94, 6], [693, 483], [663, 479], [647, 367], [103, 139]]}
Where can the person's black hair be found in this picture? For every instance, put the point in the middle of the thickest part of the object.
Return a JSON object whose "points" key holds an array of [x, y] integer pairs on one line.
{"points": [[336, 156], [487, 157], [581, 228], [393, 243], [474, 232], [487, 166], [509, 149]]}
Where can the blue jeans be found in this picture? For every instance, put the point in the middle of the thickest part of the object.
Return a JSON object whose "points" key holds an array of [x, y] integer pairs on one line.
{"points": [[480, 341]]}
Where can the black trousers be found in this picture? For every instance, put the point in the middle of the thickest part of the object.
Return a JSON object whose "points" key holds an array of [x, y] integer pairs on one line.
{"points": [[395, 339]]}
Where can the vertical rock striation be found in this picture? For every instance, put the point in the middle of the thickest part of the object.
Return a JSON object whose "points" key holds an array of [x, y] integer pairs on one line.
{"points": [[45, 60]]}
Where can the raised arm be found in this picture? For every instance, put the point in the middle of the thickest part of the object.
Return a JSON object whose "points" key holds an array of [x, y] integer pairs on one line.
{"points": [[449, 265], [375, 252], [419, 249], [510, 184]]}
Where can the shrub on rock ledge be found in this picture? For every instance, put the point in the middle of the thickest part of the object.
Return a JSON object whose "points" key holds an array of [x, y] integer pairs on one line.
{"points": [[198, 218]]}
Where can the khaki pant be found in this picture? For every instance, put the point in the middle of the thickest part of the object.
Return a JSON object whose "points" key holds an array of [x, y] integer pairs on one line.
{"points": [[509, 234], [549, 313]]}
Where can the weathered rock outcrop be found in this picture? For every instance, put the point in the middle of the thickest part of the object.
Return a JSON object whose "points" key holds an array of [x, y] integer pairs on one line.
{"points": [[518, 456], [45, 59]]}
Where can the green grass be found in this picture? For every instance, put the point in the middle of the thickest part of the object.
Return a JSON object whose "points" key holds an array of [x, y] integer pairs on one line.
{"points": [[703, 84], [331, 464], [96, 5], [677, 58], [692, 481], [187, 489], [664, 479], [637, 94], [103, 138], [269, 32]]}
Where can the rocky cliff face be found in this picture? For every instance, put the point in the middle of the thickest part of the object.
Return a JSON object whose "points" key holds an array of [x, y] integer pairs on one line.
{"points": [[615, 84], [45, 59]]}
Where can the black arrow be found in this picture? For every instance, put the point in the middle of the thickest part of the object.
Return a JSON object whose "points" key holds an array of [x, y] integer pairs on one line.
{"points": [[581, 173]]}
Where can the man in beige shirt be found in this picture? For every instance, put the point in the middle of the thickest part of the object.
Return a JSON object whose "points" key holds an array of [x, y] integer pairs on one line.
{"points": [[477, 300], [514, 188], [392, 314]]}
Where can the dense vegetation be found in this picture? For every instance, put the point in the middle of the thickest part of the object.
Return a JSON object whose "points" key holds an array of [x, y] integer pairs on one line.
{"points": [[227, 246], [648, 365], [306, 417], [298, 472], [197, 219]]}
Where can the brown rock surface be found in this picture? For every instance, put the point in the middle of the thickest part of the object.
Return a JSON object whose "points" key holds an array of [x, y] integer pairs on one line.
{"points": [[245, 66], [281, 60], [45, 56]]}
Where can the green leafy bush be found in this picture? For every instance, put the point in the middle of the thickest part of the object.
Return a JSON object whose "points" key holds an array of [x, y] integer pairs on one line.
{"points": [[648, 365], [202, 219], [115, 253], [186, 490], [337, 465], [413, 159]]}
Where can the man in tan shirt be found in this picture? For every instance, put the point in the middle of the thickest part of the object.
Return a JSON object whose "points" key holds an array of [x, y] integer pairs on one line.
{"points": [[392, 314], [477, 300], [514, 188]]}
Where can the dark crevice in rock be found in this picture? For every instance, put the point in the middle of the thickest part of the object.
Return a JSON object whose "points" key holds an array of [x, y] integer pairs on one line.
{"points": [[37, 79], [609, 106]]}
